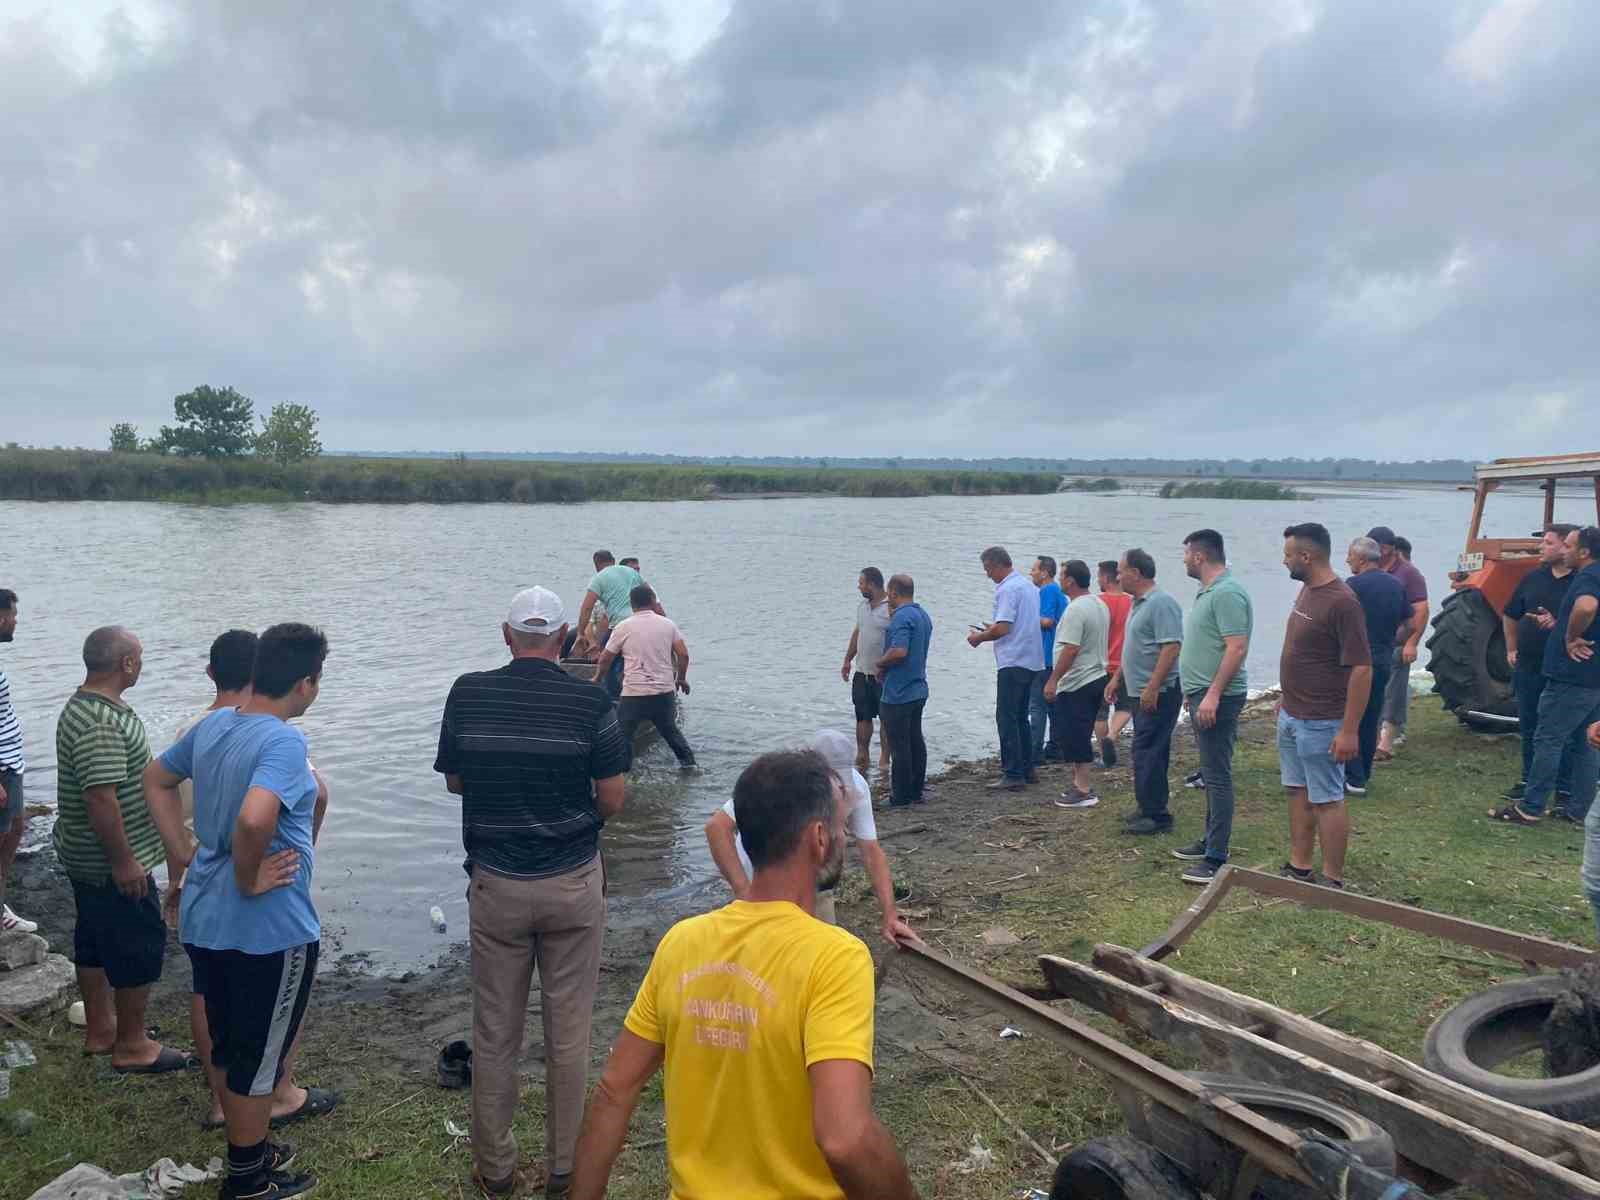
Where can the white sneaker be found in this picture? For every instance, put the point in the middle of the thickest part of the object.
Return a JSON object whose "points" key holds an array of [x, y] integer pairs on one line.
{"points": [[1073, 798], [11, 923]]}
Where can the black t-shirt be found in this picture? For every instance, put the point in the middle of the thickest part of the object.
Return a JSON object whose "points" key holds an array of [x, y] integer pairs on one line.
{"points": [[1539, 589], [1383, 599], [1557, 663]]}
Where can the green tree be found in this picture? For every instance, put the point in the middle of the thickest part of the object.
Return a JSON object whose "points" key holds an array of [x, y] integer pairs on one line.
{"points": [[289, 434], [211, 423], [124, 438]]}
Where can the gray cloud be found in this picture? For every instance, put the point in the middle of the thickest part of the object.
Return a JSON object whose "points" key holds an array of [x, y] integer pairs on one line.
{"points": [[1262, 227]]}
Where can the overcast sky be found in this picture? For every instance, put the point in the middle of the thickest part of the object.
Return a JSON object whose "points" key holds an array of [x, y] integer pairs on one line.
{"points": [[1254, 227]]}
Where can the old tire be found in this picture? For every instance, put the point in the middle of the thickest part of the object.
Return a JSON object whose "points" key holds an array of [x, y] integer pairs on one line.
{"points": [[1213, 1162], [1121, 1168], [1499, 1023], [1468, 660]]}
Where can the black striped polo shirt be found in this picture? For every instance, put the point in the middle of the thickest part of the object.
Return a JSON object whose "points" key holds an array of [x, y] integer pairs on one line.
{"points": [[528, 740]]}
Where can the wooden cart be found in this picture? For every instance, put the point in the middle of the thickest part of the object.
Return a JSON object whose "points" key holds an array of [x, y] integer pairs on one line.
{"points": [[1445, 1134]]}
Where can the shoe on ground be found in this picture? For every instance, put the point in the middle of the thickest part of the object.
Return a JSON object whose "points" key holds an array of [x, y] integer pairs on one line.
{"points": [[1032, 777], [11, 923], [280, 1156], [1108, 753], [1290, 871], [1147, 825], [1195, 779], [1399, 740], [1128, 818], [1200, 873], [1193, 852], [1355, 789], [272, 1185], [1073, 798], [1516, 791], [1005, 784]]}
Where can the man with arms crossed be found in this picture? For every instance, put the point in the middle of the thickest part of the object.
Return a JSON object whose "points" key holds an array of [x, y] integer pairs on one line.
{"points": [[1149, 670], [1018, 657], [903, 675], [762, 1017], [13, 808], [1211, 672], [865, 649], [246, 916], [1076, 685], [1528, 618], [1115, 713], [1398, 696], [656, 669], [1326, 676], [538, 759], [1570, 702], [1383, 602]]}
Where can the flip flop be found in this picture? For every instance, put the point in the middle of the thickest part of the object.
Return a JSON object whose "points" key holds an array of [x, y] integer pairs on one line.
{"points": [[319, 1102], [167, 1061], [1512, 815]]}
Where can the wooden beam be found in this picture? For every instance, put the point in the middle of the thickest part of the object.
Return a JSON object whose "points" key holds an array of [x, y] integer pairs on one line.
{"points": [[1271, 1143], [1519, 947], [1442, 1144]]}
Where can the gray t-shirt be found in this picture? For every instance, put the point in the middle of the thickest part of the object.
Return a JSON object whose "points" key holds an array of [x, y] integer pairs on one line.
{"points": [[871, 626], [1156, 620], [1087, 625]]}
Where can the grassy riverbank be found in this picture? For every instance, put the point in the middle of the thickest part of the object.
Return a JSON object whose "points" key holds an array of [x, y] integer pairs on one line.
{"points": [[1060, 881], [96, 475], [1228, 489]]}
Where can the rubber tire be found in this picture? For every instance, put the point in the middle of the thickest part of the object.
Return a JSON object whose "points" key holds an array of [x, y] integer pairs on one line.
{"points": [[1207, 1157], [1468, 660], [1487, 1028], [1121, 1168]]}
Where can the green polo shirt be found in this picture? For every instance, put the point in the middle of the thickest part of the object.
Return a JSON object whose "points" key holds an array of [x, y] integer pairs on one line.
{"points": [[1220, 611], [100, 742]]}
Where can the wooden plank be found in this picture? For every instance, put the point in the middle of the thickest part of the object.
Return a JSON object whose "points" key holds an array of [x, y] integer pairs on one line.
{"points": [[1519, 947], [1271, 1143], [1539, 1132], [1439, 1143]]}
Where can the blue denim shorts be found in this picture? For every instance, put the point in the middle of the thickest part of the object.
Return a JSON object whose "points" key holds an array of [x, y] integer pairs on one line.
{"points": [[1305, 761]]}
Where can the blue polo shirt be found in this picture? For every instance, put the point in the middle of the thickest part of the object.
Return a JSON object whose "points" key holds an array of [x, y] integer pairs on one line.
{"points": [[1052, 603], [907, 680], [1557, 664]]}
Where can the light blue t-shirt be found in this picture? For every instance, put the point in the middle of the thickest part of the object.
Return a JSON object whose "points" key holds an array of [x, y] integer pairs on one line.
{"points": [[226, 755], [614, 586], [1016, 600]]}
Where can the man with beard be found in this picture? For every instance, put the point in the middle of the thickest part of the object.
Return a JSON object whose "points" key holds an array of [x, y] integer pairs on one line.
{"points": [[762, 1016], [1528, 618], [1326, 676], [865, 649]]}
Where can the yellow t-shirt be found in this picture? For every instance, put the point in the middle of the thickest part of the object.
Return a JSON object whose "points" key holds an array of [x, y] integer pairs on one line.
{"points": [[745, 999]]}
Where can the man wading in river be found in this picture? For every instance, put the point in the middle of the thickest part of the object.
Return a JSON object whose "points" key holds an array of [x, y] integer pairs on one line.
{"points": [[656, 669], [538, 759]]}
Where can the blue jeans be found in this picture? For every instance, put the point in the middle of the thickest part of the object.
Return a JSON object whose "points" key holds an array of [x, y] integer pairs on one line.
{"points": [[1565, 713], [1359, 769], [1529, 686], [1041, 717], [1216, 764], [1591, 861], [1152, 755], [1012, 685]]}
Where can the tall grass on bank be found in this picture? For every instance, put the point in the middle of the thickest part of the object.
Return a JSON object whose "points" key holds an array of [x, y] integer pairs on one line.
{"points": [[97, 475], [1227, 489], [1104, 484]]}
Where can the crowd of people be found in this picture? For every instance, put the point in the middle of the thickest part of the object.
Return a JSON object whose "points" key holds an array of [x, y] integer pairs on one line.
{"points": [[760, 1012]]}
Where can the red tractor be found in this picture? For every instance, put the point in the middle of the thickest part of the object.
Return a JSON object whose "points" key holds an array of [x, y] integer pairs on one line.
{"points": [[1468, 645]]}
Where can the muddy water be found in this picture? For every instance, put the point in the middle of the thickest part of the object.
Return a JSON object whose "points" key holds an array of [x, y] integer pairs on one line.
{"points": [[412, 595]]}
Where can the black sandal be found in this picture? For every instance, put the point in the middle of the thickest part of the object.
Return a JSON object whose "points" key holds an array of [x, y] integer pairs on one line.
{"points": [[1512, 815]]}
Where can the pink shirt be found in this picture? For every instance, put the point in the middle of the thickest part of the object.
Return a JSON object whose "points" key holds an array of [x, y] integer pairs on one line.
{"points": [[644, 643]]}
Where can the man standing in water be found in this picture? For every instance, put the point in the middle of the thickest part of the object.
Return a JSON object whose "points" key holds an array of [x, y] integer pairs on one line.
{"points": [[656, 669], [246, 918], [1326, 676], [865, 649], [538, 759], [1018, 658], [611, 587], [107, 844], [1117, 710], [13, 812], [903, 674]]}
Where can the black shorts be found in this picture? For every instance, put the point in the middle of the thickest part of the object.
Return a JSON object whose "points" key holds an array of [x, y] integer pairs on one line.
{"points": [[865, 694], [254, 1006], [1074, 720], [124, 938], [1124, 702]]}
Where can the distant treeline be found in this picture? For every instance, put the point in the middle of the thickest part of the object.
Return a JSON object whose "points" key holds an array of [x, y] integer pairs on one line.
{"points": [[93, 475], [1451, 470], [1227, 489]]}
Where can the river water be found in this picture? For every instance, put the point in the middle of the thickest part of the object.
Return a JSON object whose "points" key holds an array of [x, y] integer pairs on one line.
{"points": [[764, 591]]}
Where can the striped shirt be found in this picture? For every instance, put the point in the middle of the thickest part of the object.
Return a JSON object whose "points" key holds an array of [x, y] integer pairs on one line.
{"points": [[10, 731], [527, 740], [98, 742]]}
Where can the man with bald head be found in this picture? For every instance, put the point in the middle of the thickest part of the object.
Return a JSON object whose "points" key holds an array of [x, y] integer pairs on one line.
{"points": [[107, 843]]}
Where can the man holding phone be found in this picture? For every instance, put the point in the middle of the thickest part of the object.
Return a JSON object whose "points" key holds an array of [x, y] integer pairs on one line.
{"points": [[1528, 618]]}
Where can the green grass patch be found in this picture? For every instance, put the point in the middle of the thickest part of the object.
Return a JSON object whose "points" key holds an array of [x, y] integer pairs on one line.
{"points": [[1227, 489]]}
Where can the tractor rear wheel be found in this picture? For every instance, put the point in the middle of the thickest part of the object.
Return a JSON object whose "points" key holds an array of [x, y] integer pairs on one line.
{"points": [[1468, 660]]}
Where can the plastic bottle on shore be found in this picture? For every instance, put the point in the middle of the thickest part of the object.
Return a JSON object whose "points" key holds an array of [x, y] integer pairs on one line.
{"points": [[436, 915]]}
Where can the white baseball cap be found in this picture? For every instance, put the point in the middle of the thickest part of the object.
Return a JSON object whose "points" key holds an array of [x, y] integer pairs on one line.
{"points": [[536, 610]]}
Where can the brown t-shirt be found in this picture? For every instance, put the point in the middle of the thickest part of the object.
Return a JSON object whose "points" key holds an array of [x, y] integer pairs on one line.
{"points": [[1326, 637]]}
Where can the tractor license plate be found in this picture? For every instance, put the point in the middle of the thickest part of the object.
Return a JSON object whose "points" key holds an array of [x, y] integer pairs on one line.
{"points": [[1470, 562]]}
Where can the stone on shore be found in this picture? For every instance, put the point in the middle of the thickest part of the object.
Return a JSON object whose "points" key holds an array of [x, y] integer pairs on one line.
{"points": [[39, 989], [18, 949]]}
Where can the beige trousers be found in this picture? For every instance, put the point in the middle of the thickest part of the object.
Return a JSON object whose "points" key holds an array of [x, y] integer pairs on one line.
{"points": [[555, 924]]}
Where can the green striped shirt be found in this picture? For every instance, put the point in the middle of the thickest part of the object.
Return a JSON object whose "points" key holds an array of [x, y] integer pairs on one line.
{"points": [[99, 741]]}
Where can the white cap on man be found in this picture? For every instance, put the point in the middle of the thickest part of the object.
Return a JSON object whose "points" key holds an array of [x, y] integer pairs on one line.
{"points": [[536, 610]]}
